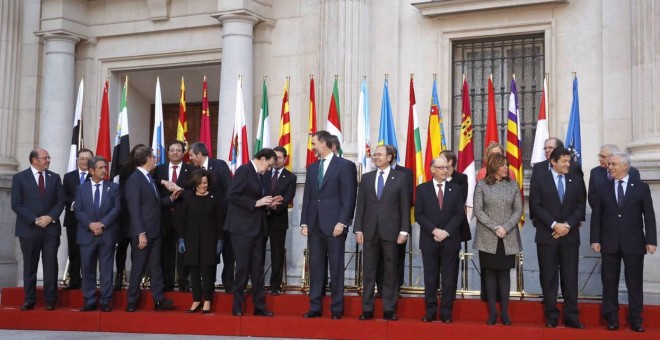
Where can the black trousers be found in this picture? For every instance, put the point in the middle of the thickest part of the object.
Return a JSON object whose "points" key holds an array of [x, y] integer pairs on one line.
{"points": [[277, 237], [248, 252], [375, 250], [443, 261], [202, 282], [634, 274], [555, 262], [32, 248], [323, 251], [148, 257], [74, 256]]}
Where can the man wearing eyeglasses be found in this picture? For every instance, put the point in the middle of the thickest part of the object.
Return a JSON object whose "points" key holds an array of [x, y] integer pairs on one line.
{"points": [[37, 198], [439, 211], [246, 227]]}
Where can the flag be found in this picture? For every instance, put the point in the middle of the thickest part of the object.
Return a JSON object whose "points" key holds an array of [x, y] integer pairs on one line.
{"points": [[542, 134], [364, 134], [122, 150], [238, 152], [513, 143], [182, 125], [573, 139], [311, 126], [414, 143], [158, 139], [103, 141], [333, 124], [492, 136], [205, 126], [386, 133], [77, 135], [466, 145], [285, 127], [263, 131], [435, 137]]}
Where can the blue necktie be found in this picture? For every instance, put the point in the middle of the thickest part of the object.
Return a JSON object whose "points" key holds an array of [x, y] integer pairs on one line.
{"points": [[381, 184], [97, 199], [83, 175], [320, 180], [153, 185], [619, 194], [560, 188]]}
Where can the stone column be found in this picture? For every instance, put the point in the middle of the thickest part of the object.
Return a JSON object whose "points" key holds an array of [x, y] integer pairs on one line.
{"points": [[237, 59], [645, 147], [57, 99], [346, 31]]}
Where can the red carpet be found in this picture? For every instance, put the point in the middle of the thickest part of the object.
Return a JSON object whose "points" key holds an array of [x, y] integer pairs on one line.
{"points": [[469, 319]]}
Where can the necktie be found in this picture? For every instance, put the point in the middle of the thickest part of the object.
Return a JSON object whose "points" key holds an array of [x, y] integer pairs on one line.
{"points": [[273, 182], [42, 183], [381, 184], [320, 179], [153, 185], [619, 194], [97, 199], [441, 196], [560, 188], [83, 175], [174, 176]]}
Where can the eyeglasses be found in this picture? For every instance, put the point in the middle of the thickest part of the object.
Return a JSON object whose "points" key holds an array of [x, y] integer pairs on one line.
{"points": [[602, 156], [442, 167], [549, 148], [45, 158]]}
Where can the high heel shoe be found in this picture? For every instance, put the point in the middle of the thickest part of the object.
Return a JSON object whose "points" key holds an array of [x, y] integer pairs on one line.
{"points": [[194, 309], [206, 311]]}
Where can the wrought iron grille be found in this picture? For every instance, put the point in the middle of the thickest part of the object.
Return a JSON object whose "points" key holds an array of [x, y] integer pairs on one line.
{"points": [[522, 55]]}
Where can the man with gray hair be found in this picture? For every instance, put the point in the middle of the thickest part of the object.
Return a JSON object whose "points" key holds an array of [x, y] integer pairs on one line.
{"points": [[623, 228], [599, 173]]}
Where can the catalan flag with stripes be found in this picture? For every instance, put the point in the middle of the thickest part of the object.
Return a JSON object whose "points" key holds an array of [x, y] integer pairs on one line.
{"points": [[513, 145], [182, 125], [285, 127]]}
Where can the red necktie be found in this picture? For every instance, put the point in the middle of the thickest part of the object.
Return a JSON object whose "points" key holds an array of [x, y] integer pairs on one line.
{"points": [[273, 182], [42, 184], [174, 176], [441, 196]]}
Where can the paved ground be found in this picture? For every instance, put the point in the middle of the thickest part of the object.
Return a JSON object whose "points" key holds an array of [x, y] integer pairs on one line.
{"points": [[57, 335]]}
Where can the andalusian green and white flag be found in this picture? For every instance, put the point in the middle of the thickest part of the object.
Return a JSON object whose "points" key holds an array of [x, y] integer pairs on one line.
{"points": [[263, 132]]}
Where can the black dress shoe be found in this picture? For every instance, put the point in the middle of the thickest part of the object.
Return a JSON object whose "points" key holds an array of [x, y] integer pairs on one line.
{"points": [[275, 292], [446, 320], [184, 289], [27, 306], [491, 321], [390, 316], [164, 304], [50, 306], [612, 326], [88, 308], [551, 324], [310, 315], [263, 313], [428, 319], [336, 317], [574, 324], [168, 288], [106, 308], [72, 287], [237, 313], [131, 307], [366, 316], [638, 329], [506, 321]]}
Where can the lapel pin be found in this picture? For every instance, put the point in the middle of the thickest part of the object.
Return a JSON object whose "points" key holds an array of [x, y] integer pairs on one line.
{"points": [[569, 180], [449, 189], [632, 184]]}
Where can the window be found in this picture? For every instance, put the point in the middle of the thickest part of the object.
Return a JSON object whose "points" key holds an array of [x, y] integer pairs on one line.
{"points": [[501, 57]]}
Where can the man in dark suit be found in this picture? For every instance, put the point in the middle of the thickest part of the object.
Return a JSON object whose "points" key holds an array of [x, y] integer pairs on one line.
{"points": [[144, 206], [279, 182], [220, 178], [246, 226], [439, 211], [600, 175], [98, 206], [623, 227], [326, 214], [462, 181], [173, 173], [37, 198], [558, 205], [382, 223], [71, 181]]}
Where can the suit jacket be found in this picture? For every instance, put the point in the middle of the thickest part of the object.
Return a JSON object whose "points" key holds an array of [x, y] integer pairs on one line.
{"points": [[108, 213], [286, 187], [462, 181], [70, 182], [598, 176], [627, 229], [546, 207], [28, 203], [390, 215], [163, 172], [220, 176], [245, 189], [334, 201], [410, 178], [543, 168], [429, 216], [144, 205]]}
